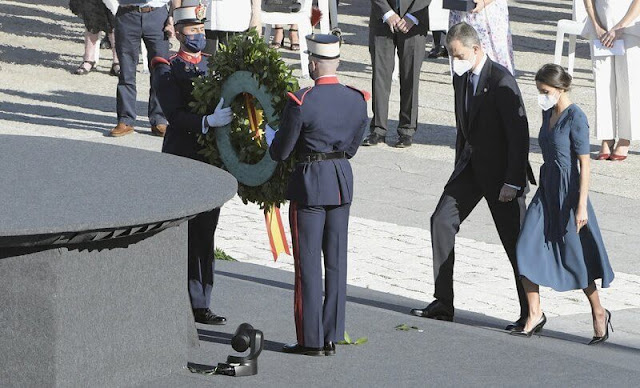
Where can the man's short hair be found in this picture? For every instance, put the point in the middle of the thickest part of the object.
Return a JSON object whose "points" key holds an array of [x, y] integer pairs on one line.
{"points": [[463, 33]]}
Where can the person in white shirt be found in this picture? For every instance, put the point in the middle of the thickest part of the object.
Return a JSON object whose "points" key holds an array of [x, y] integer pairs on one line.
{"points": [[228, 17], [617, 86]]}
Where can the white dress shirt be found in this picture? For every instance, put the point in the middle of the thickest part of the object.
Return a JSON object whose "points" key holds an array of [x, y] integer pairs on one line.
{"points": [[228, 15]]}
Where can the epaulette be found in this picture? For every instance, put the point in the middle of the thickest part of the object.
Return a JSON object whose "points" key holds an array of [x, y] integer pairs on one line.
{"points": [[365, 94], [157, 60], [300, 100]]}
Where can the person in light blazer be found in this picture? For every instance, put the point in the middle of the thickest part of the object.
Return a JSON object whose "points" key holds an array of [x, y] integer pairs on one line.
{"points": [[617, 85]]}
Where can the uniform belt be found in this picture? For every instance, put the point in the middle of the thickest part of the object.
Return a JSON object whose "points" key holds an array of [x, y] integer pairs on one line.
{"points": [[137, 8], [318, 156]]}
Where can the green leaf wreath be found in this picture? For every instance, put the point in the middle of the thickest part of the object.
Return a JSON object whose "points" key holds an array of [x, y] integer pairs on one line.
{"points": [[249, 52]]}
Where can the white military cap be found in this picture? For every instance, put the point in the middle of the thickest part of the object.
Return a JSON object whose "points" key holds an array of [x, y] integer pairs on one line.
{"points": [[191, 11], [323, 46]]}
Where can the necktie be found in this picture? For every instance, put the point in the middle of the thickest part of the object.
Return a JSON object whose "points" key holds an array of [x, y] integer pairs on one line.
{"points": [[470, 91], [398, 5]]}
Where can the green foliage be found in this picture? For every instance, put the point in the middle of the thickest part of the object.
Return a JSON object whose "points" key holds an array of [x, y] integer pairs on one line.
{"points": [[221, 255], [348, 341], [405, 327], [247, 52]]}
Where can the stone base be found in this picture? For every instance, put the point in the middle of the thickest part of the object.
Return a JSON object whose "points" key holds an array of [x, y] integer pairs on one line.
{"points": [[114, 314]]}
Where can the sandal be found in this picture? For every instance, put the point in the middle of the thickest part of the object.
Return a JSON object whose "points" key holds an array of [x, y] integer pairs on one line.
{"points": [[115, 69], [274, 44], [295, 46], [81, 70]]}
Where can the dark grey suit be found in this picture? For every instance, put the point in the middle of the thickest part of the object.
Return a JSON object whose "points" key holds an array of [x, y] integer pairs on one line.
{"points": [[411, 51], [492, 148]]}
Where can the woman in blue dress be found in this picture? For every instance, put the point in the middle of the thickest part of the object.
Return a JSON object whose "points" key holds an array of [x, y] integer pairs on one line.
{"points": [[560, 245]]}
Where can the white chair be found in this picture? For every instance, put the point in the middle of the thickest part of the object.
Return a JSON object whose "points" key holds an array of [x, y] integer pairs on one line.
{"points": [[573, 28], [302, 18]]}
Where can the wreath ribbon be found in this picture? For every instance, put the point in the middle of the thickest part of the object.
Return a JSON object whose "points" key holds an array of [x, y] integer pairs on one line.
{"points": [[275, 230], [273, 220]]}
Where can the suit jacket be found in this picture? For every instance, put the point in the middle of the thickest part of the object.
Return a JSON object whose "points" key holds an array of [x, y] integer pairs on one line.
{"points": [[327, 117], [174, 83], [418, 8], [494, 136]]}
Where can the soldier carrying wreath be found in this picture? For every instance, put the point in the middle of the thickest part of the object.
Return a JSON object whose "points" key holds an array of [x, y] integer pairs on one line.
{"points": [[174, 84]]}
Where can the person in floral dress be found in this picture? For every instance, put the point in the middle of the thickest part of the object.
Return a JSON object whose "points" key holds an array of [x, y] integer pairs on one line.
{"points": [[491, 19]]}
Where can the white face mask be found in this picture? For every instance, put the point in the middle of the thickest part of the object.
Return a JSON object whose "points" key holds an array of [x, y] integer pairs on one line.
{"points": [[461, 66], [548, 101]]}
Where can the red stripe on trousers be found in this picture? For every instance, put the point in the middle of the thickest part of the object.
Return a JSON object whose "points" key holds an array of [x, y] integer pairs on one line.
{"points": [[297, 293]]}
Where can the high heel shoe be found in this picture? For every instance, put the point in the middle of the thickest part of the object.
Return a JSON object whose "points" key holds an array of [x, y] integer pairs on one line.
{"points": [[607, 323], [274, 43], [294, 46], [536, 329], [617, 158], [603, 156], [81, 70]]}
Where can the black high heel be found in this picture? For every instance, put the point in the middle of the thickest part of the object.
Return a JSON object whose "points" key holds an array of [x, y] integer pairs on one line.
{"points": [[536, 329], [294, 46], [607, 323], [275, 44]]}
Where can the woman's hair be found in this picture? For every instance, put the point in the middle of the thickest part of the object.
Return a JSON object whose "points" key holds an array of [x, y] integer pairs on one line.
{"points": [[555, 76]]}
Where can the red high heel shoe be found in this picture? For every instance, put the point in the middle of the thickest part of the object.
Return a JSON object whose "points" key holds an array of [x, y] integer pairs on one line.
{"points": [[603, 156], [617, 158]]}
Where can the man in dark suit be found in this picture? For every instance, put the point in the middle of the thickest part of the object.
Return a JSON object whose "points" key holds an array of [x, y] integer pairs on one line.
{"points": [[324, 124], [174, 83], [401, 24], [492, 150]]}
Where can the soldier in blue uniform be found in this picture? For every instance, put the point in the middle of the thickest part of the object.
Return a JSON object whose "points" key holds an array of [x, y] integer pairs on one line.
{"points": [[173, 80], [324, 124]]}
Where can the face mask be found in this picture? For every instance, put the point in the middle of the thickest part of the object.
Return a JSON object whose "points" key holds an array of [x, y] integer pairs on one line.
{"points": [[194, 43], [461, 66], [547, 101]]}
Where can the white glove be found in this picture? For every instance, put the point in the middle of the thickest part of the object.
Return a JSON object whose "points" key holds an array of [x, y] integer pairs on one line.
{"points": [[220, 117], [269, 134]]}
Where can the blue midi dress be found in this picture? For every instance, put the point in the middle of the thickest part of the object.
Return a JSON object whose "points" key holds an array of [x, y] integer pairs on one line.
{"points": [[550, 252]]}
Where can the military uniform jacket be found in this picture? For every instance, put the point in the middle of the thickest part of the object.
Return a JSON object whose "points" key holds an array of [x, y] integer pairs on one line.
{"points": [[328, 117], [174, 83]]}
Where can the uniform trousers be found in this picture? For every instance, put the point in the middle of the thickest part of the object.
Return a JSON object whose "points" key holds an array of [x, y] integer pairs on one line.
{"points": [[617, 92], [201, 257], [317, 231], [459, 198], [133, 26], [411, 52]]}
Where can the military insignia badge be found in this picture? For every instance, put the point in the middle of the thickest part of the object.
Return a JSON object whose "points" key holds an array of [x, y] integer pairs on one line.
{"points": [[201, 11]]}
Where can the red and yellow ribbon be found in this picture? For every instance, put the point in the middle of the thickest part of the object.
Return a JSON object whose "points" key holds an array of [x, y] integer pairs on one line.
{"points": [[273, 220], [275, 229]]}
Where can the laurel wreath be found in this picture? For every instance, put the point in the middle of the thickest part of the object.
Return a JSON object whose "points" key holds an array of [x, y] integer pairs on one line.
{"points": [[247, 52]]}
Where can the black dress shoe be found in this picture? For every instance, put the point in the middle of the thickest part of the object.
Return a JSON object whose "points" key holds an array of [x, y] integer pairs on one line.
{"points": [[299, 349], [438, 51], [536, 329], [404, 141], [208, 318], [517, 325], [436, 310], [607, 323], [373, 139], [330, 349]]}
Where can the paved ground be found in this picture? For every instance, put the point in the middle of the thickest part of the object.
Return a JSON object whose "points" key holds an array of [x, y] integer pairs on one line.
{"points": [[396, 190]]}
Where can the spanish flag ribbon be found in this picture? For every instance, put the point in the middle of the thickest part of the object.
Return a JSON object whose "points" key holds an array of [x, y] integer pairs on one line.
{"points": [[255, 117], [275, 229]]}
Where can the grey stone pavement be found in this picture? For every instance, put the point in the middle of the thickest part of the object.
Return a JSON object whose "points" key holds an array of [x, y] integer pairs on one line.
{"points": [[396, 190]]}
